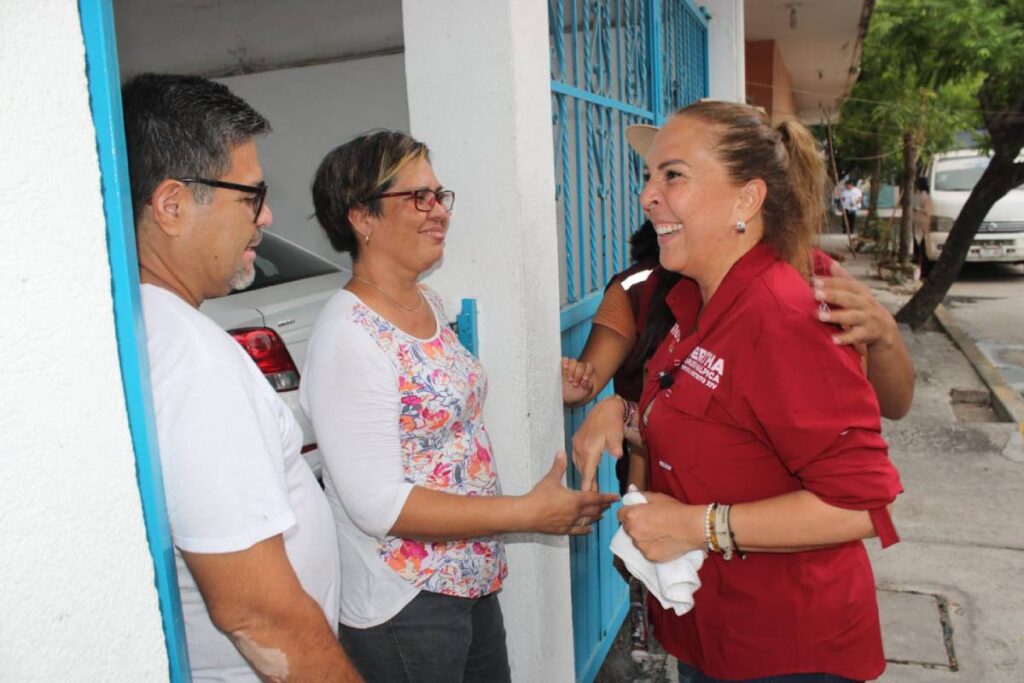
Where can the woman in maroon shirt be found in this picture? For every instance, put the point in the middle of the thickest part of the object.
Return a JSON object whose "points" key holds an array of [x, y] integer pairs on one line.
{"points": [[763, 435]]}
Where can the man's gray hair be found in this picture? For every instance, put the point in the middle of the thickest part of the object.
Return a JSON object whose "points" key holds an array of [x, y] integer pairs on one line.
{"points": [[182, 126]]}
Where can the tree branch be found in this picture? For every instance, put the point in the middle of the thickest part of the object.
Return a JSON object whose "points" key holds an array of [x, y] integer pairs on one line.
{"points": [[988, 113], [1018, 175]]}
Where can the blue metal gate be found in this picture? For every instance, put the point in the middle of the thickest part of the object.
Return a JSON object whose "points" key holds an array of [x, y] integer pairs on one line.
{"points": [[613, 63]]}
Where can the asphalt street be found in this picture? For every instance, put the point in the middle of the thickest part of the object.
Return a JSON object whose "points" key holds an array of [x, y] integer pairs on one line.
{"points": [[988, 303]]}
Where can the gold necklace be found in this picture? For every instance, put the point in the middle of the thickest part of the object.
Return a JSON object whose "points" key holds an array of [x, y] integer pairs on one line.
{"points": [[392, 299]]}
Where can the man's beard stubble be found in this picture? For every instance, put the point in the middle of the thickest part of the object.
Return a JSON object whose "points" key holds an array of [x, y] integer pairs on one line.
{"points": [[242, 278]]}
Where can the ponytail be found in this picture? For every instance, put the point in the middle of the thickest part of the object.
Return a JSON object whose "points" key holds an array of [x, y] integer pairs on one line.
{"points": [[806, 186]]}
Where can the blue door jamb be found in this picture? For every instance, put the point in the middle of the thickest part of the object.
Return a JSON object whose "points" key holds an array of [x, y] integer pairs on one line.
{"points": [[105, 100], [465, 327]]}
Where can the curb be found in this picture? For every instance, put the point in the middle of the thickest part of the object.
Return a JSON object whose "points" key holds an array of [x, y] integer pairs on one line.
{"points": [[1007, 403]]}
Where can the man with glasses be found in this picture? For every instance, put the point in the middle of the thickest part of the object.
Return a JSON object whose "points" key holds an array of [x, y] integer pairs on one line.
{"points": [[254, 544]]}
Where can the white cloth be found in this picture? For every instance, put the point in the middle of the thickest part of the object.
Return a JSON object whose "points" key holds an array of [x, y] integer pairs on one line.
{"points": [[674, 582], [233, 474]]}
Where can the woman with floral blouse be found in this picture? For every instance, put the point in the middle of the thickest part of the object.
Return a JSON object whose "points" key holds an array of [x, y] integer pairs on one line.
{"points": [[397, 405]]}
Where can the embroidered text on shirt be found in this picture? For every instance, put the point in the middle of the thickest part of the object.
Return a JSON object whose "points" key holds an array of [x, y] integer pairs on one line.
{"points": [[705, 367]]}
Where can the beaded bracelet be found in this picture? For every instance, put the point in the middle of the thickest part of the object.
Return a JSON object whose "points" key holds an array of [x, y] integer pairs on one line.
{"points": [[724, 535], [710, 539], [722, 531]]}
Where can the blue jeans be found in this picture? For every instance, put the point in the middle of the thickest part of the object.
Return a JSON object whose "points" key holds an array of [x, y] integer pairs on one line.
{"points": [[434, 639], [687, 674]]}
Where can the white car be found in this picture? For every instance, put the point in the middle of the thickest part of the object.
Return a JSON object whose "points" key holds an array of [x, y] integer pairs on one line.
{"points": [[1000, 238], [272, 319]]}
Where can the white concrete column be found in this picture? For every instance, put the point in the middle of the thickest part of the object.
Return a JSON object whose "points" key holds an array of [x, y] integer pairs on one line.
{"points": [[478, 82], [77, 595], [726, 50]]}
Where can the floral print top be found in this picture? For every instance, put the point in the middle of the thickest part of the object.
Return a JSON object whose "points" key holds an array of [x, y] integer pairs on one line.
{"points": [[445, 447]]}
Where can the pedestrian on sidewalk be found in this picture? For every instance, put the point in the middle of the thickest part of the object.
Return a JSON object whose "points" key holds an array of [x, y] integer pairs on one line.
{"points": [[765, 432], [922, 206], [851, 199]]}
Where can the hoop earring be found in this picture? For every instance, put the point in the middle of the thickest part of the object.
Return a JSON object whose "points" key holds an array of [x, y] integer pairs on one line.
{"points": [[741, 227]]}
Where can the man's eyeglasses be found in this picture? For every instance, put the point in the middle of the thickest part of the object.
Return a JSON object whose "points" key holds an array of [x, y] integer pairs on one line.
{"points": [[424, 199], [258, 192]]}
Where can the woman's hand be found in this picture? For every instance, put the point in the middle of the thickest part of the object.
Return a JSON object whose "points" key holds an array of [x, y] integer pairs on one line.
{"points": [[663, 528], [863, 319], [577, 381], [601, 431], [552, 508]]}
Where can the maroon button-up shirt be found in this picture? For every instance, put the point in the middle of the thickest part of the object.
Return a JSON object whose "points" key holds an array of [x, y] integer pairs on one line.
{"points": [[761, 403]]}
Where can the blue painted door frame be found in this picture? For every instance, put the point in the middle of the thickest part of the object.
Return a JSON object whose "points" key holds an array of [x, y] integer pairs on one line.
{"points": [[613, 63], [105, 101]]}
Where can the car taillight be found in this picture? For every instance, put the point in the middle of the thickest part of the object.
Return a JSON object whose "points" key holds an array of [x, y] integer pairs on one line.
{"points": [[271, 356]]}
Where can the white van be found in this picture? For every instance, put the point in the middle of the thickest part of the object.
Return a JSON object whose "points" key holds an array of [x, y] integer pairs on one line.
{"points": [[951, 177]]}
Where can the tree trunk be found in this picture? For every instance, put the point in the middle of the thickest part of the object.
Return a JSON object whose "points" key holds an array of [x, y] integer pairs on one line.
{"points": [[835, 181], [876, 183], [998, 179], [909, 173]]}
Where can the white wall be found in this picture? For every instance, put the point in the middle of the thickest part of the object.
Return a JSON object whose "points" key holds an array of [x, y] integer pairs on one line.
{"points": [[313, 109], [480, 99], [226, 37], [308, 79], [77, 599], [725, 50]]}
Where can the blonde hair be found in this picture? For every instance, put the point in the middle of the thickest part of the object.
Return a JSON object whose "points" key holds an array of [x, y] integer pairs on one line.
{"points": [[786, 158]]}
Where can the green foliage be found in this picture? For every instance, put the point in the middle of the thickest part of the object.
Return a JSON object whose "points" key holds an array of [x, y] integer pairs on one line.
{"points": [[960, 62], [929, 70], [1002, 93], [922, 66], [936, 42]]}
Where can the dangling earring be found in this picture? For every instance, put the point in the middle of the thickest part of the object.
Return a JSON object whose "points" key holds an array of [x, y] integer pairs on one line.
{"points": [[741, 227], [366, 239]]}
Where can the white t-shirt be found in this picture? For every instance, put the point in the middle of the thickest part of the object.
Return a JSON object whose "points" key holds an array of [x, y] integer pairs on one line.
{"points": [[391, 412], [851, 199], [232, 470]]}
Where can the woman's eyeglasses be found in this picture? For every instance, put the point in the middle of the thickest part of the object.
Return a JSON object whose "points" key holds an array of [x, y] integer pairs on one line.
{"points": [[424, 199]]}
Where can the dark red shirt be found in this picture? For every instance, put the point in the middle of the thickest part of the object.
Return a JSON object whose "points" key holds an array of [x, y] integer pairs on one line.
{"points": [[763, 403]]}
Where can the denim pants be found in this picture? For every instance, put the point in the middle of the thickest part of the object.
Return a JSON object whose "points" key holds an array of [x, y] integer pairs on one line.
{"points": [[434, 639], [687, 674]]}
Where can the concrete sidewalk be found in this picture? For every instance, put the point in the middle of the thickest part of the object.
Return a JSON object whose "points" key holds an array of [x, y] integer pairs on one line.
{"points": [[950, 592]]}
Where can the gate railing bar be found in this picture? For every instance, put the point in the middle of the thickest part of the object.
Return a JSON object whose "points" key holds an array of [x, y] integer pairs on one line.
{"points": [[600, 100], [654, 40], [591, 160]]}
